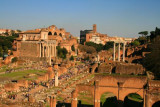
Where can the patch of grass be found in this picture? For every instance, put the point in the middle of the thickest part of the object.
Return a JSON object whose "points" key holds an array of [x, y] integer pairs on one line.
{"points": [[59, 98], [135, 97], [86, 98], [105, 96], [3, 68], [22, 74]]}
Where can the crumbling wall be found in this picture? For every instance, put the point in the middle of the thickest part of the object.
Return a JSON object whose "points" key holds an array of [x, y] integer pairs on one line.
{"points": [[105, 68], [129, 69]]}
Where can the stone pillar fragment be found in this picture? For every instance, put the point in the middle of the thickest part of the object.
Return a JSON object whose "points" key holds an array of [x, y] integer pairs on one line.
{"points": [[43, 50], [40, 50], [56, 78], [55, 51], [114, 51], [96, 95], [51, 101], [123, 52], [119, 52], [54, 102], [74, 99]]}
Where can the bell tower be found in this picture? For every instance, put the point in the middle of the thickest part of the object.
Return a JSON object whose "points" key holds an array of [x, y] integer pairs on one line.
{"points": [[94, 28]]}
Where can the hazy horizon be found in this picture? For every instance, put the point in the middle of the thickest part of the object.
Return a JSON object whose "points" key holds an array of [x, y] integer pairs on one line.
{"points": [[124, 18]]}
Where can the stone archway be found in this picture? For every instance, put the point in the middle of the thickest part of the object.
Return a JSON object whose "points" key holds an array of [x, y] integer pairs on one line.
{"points": [[55, 33], [49, 33], [60, 34], [133, 100], [156, 104], [108, 99]]}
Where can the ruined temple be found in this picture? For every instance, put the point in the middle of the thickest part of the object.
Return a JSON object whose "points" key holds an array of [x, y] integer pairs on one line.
{"points": [[40, 44]]}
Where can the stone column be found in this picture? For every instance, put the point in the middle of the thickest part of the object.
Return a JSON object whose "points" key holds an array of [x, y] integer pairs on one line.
{"points": [[55, 51], [48, 51], [54, 102], [40, 50], [56, 78], [96, 94], [114, 51], [43, 50], [51, 101], [74, 99], [51, 50], [123, 52], [119, 52], [147, 101]]}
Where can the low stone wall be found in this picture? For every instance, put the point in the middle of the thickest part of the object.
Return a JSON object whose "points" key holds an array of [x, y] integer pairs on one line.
{"points": [[105, 68], [129, 69]]}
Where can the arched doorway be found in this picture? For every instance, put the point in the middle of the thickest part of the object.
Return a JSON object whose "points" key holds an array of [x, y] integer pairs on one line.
{"points": [[60, 34], [55, 33], [156, 104], [133, 100], [108, 99], [49, 33]]}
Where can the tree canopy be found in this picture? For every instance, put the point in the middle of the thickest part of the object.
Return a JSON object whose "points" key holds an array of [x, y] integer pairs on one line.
{"points": [[72, 48], [62, 52], [143, 33], [152, 61], [135, 43], [5, 44]]}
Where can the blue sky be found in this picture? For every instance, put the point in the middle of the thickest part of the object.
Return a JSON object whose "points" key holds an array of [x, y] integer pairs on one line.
{"points": [[123, 18]]}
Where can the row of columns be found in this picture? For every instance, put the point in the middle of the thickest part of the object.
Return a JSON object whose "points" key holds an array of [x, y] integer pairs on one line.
{"points": [[47, 50], [114, 51], [53, 101]]}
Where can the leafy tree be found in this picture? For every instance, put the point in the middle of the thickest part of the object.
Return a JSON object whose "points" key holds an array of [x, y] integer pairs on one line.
{"points": [[135, 43], [108, 45], [98, 47], [62, 52], [73, 48], [15, 59], [152, 61], [19, 30], [72, 58], [5, 49], [87, 49], [1, 51], [157, 31], [142, 40], [6, 33], [143, 33]]}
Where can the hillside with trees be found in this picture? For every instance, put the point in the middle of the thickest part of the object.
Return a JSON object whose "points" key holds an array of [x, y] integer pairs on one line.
{"points": [[152, 61]]}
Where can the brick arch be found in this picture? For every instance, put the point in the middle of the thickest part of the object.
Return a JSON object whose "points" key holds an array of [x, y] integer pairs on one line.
{"points": [[133, 93], [49, 33], [154, 102], [55, 33], [126, 92], [60, 34], [110, 90]]}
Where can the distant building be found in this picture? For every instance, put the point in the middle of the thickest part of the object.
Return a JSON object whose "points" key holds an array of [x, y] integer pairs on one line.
{"points": [[41, 43], [92, 35], [96, 39]]}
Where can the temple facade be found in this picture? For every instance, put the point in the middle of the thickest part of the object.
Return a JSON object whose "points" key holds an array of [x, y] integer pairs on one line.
{"points": [[39, 43]]}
